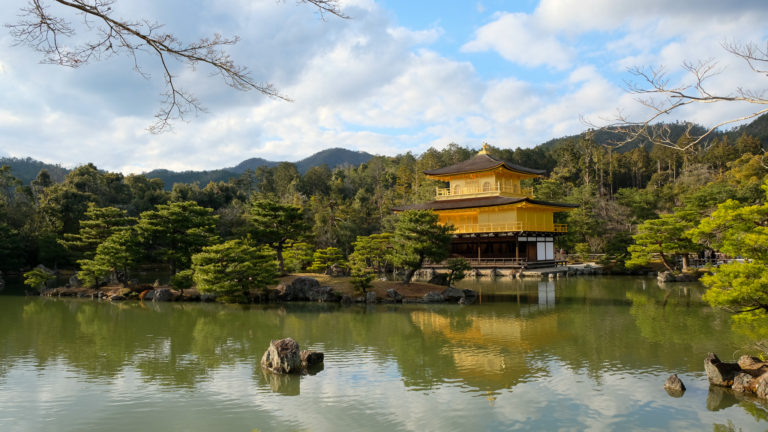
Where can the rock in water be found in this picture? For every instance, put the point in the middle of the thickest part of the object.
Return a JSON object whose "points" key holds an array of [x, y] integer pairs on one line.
{"points": [[752, 365], [674, 386], [311, 358], [282, 356], [742, 383], [761, 386], [719, 373]]}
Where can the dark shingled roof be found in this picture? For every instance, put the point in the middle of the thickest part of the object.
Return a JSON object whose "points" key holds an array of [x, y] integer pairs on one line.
{"points": [[482, 162], [478, 202]]}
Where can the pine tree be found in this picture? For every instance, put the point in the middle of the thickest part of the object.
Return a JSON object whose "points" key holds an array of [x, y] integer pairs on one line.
{"points": [[277, 226], [419, 237], [233, 268], [665, 236], [174, 232], [738, 230]]}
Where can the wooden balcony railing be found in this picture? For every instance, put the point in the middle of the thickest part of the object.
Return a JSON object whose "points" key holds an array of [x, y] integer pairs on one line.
{"points": [[508, 227], [465, 192]]}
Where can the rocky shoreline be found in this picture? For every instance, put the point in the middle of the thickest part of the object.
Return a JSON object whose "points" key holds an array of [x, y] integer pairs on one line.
{"points": [[747, 378], [748, 375], [292, 289]]}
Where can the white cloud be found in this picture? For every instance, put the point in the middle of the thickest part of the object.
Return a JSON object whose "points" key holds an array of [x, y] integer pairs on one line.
{"points": [[368, 83], [519, 38]]}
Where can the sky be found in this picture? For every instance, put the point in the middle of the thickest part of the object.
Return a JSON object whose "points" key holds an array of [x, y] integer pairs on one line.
{"points": [[397, 76]]}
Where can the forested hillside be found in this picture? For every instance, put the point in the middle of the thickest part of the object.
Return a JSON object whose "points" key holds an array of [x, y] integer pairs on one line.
{"points": [[615, 192], [45, 221]]}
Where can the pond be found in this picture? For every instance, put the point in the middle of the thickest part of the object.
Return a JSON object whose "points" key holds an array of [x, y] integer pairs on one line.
{"points": [[573, 354]]}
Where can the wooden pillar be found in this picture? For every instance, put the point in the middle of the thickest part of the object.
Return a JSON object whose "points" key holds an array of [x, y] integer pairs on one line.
{"points": [[517, 250]]}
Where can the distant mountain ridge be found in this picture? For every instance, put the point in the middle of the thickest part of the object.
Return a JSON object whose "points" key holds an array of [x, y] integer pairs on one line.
{"points": [[334, 157], [26, 169]]}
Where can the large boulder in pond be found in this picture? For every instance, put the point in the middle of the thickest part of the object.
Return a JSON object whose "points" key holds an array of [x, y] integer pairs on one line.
{"points": [[282, 356], [720, 373], [285, 357]]}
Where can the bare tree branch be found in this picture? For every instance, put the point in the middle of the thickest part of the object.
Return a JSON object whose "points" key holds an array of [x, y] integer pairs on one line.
{"points": [[654, 91], [46, 32], [327, 6]]}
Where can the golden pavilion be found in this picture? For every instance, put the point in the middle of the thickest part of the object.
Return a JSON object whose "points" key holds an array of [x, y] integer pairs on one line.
{"points": [[496, 221]]}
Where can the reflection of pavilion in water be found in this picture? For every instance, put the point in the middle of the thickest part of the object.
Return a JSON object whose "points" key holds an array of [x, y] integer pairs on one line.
{"points": [[492, 352]]}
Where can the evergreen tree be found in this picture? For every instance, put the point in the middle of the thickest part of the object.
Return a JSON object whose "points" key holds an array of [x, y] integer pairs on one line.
{"points": [[298, 256], [373, 252], [115, 256], [233, 268], [738, 230], [97, 225], [418, 237], [277, 226], [325, 259], [457, 269], [665, 236], [174, 232]]}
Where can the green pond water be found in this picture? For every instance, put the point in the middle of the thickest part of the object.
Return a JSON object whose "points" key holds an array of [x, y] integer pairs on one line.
{"points": [[588, 353]]}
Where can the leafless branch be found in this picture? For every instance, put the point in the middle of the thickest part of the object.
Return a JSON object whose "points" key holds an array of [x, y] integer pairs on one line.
{"points": [[45, 31], [654, 91], [327, 6]]}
